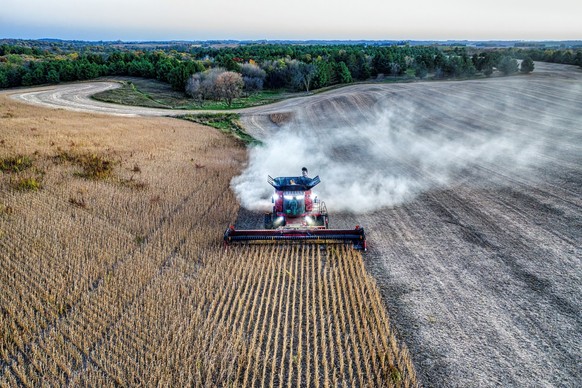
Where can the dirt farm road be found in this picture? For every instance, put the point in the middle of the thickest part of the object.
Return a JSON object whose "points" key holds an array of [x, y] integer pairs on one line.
{"points": [[481, 267]]}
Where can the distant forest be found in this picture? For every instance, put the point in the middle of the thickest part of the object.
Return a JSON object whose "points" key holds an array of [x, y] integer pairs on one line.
{"points": [[198, 69]]}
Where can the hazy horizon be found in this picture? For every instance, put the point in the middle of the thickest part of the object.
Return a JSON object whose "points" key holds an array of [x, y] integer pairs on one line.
{"points": [[151, 20]]}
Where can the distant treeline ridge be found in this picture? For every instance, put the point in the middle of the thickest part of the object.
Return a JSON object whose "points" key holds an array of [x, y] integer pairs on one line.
{"points": [[271, 66]]}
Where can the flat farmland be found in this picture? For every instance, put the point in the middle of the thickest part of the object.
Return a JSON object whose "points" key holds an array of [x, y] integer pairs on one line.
{"points": [[471, 196], [113, 271]]}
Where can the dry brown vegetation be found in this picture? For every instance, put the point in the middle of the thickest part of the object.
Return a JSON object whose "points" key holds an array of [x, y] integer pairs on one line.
{"points": [[114, 273], [281, 118]]}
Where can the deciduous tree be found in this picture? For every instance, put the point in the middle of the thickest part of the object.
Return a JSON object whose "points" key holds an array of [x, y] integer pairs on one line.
{"points": [[253, 77], [194, 88], [229, 86], [508, 65], [304, 74]]}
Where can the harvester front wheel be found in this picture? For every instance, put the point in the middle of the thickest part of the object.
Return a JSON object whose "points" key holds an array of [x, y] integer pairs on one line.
{"points": [[268, 221], [321, 220]]}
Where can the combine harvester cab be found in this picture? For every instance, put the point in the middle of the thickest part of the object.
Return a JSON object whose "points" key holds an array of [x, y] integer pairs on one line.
{"points": [[298, 216]]}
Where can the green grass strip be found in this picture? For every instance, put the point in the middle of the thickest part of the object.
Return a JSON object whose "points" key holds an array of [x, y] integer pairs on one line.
{"points": [[228, 123]]}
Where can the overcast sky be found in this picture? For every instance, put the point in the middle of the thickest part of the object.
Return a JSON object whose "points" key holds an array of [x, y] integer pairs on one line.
{"points": [[291, 19]]}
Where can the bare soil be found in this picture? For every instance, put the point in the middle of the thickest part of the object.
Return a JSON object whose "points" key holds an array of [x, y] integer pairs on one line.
{"points": [[481, 275]]}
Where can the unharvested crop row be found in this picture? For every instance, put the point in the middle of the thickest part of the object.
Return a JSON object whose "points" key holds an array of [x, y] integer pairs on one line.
{"points": [[250, 316], [257, 316], [104, 282], [59, 257], [95, 313]]}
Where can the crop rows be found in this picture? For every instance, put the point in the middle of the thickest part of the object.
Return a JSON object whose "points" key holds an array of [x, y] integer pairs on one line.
{"points": [[252, 316], [107, 283]]}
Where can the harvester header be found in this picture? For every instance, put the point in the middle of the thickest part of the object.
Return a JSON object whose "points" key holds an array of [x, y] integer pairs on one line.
{"points": [[297, 216]]}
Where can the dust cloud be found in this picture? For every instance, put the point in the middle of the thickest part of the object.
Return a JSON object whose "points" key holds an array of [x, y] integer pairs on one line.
{"points": [[388, 159]]}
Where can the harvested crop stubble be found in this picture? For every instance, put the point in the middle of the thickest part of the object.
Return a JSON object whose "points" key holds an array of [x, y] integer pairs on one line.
{"points": [[257, 316], [103, 283]]}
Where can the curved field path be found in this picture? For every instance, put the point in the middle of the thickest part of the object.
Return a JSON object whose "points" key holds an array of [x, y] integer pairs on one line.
{"points": [[480, 266]]}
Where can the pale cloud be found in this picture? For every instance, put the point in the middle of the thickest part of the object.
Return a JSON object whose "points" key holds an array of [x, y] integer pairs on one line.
{"points": [[300, 19]]}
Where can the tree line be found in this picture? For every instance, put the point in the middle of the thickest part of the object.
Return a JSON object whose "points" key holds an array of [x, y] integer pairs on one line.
{"points": [[27, 70], [225, 73]]}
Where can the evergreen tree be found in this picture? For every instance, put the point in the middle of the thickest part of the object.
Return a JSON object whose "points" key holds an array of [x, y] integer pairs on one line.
{"points": [[344, 75], [53, 77], [322, 73], [3, 78], [421, 70], [527, 65]]}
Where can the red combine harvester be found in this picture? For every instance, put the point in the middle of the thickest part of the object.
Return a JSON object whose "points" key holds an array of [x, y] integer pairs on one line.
{"points": [[298, 216]]}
